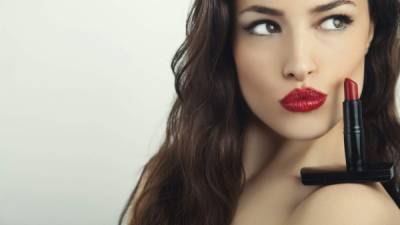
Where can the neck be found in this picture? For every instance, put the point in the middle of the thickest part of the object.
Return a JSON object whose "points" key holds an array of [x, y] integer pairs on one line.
{"points": [[264, 149]]}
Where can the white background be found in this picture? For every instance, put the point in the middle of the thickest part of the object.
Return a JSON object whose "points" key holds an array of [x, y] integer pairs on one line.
{"points": [[85, 89]]}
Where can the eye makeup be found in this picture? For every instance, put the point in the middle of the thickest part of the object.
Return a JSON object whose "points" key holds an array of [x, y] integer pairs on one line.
{"points": [[343, 18]]}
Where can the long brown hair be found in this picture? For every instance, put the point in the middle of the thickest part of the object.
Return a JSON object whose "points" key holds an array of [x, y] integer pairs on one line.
{"points": [[197, 175]]}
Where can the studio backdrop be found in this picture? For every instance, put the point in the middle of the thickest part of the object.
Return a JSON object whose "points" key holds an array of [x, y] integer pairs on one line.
{"points": [[85, 89]]}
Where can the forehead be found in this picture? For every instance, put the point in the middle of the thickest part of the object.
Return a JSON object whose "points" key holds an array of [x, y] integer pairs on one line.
{"points": [[307, 6]]}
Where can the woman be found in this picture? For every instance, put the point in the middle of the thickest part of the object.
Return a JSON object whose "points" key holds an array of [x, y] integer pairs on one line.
{"points": [[232, 153]]}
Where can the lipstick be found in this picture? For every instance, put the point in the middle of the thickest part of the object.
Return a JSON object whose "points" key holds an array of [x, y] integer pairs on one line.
{"points": [[357, 170], [353, 128]]}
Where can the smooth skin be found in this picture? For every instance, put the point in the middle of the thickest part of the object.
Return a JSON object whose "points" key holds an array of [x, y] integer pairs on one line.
{"points": [[294, 50], [345, 204]]}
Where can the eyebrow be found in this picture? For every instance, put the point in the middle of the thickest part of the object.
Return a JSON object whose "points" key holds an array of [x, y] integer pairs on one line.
{"points": [[317, 9]]}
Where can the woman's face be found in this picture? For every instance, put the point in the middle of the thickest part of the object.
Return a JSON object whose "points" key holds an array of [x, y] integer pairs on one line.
{"points": [[298, 49]]}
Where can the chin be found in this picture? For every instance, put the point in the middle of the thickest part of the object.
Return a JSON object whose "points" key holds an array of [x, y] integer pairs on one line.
{"points": [[304, 130], [304, 136]]}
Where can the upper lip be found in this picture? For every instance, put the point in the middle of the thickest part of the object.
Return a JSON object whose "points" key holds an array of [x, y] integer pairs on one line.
{"points": [[303, 94]]}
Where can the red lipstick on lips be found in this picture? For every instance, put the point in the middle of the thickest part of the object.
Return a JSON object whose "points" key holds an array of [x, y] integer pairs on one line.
{"points": [[303, 100]]}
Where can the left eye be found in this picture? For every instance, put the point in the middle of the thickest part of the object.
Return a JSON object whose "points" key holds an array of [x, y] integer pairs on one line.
{"points": [[337, 22]]}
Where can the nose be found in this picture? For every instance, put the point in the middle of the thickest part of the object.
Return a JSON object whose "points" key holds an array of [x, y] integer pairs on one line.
{"points": [[299, 61]]}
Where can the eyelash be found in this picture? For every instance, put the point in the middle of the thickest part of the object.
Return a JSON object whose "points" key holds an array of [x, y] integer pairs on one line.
{"points": [[345, 18]]}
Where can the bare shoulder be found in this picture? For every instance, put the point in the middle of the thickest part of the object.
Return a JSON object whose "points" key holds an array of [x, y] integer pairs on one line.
{"points": [[350, 203]]}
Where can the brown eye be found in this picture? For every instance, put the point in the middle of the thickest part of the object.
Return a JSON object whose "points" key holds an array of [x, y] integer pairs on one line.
{"points": [[263, 27]]}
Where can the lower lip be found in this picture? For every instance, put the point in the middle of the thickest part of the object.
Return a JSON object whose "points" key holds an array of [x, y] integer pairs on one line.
{"points": [[304, 105]]}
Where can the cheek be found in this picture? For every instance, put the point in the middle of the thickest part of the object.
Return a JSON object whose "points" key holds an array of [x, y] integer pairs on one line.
{"points": [[258, 70], [258, 75], [347, 60], [260, 81]]}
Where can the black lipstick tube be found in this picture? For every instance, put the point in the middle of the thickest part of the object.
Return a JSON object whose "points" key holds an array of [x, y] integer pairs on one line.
{"points": [[354, 140]]}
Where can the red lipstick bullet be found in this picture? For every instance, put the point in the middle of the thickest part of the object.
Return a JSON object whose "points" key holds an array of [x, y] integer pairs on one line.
{"points": [[351, 89]]}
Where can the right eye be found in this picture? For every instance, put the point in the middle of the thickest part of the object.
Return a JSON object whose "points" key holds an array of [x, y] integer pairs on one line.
{"points": [[262, 27]]}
